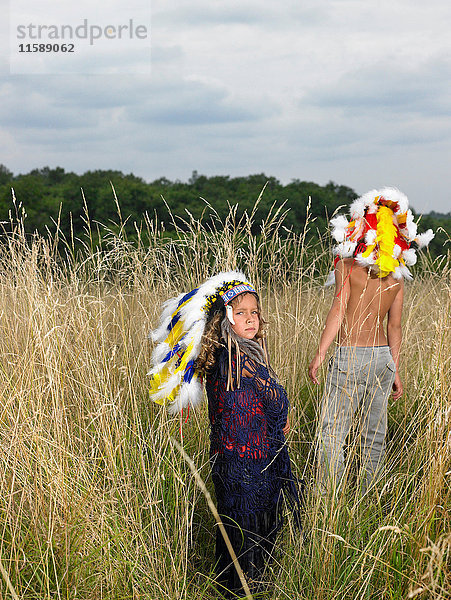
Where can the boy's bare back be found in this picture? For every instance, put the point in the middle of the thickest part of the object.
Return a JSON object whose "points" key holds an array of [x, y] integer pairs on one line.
{"points": [[369, 299]]}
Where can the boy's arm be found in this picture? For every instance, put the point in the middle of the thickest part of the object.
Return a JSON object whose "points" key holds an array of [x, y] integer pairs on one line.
{"points": [[394, 335], [334, 318]]}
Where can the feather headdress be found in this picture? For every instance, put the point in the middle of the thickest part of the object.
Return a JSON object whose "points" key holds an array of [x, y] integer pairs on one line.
{"points": [[380, 233], [174, 379]]}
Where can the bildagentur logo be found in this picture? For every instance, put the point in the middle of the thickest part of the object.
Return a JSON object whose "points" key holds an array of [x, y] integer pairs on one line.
{"points": [[84, 31]]}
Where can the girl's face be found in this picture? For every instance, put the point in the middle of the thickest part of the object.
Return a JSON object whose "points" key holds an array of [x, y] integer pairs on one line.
{"points": [[246, 316]]}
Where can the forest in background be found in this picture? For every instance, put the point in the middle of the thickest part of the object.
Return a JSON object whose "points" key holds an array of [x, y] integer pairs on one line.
{"points": [[54, 195]]}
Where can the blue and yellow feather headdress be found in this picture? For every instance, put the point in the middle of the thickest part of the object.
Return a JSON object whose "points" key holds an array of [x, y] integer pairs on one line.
{"points": [[174, 379]]}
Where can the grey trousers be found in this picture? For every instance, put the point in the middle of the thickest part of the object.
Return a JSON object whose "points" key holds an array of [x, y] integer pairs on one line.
{"points": [[358, 384]]}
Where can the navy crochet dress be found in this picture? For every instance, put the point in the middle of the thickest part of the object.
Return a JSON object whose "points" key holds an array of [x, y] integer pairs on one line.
{"points": [[250, 464]]}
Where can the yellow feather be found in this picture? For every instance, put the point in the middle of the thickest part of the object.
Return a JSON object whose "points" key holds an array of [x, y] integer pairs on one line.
{"points": [[185, 357], [160, 401], [175, 334], [386, 232], [173, 394], [368, 250], [155, 383]]}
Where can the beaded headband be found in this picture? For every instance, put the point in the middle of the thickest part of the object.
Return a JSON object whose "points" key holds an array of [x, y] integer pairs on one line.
{"points": [[229, 295]]}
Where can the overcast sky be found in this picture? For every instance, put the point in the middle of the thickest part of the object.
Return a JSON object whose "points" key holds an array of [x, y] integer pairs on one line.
{"points": [[353, 91]]}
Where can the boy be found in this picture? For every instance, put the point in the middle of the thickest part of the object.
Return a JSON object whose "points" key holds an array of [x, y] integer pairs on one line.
{"points": [[372, 258]]}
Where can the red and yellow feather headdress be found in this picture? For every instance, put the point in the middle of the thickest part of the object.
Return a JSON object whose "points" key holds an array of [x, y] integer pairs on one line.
{"points": [[380, 233]]}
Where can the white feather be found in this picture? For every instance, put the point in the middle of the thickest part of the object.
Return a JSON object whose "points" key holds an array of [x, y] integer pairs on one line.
{"points": [[397, 273], [165, 390], [169, 307], [393, 194], [359, 206], [410, 257], [357, 209], [161, 333], [423, 239], [345, 249], [159, 352], [365, 261], [229, 313], [370, 237], [338, 225], [405, 272], [358, 229], [411, 226], [396, 250], [190, 394]]}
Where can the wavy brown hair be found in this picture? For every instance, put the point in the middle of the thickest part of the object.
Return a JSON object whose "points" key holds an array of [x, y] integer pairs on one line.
{"points": [[211, 339]]}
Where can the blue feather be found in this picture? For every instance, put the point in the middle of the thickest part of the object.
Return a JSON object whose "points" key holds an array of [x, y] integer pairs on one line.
{"points": [[173, 351], [189, 371], [176, 318], [187, 296]]}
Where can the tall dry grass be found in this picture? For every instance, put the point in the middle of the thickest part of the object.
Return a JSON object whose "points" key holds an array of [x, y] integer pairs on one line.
{"points": [[97, 503]]}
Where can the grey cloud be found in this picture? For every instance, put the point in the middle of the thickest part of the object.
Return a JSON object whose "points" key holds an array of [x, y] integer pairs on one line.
{"points": [[422, 90], [373, 110], [83, 101], [83, 93], [89, 92], [162, 55], [203, 13], [196, 103], [94, 116], [331, 136], [30, 109]]}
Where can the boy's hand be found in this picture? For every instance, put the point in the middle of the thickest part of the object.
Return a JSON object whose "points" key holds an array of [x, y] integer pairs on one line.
{"points": [[313, 368], [397, 387]]}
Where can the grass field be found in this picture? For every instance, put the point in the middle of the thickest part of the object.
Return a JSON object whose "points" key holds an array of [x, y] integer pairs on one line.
{"points": [[96, 502]]}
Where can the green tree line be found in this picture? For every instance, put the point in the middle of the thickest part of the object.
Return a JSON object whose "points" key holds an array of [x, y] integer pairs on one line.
{"points": [[49, 195]]}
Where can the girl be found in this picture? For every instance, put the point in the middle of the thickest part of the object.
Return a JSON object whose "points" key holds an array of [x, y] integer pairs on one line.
{"points": [[248, 411]]}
